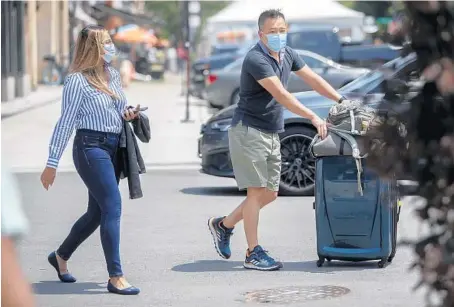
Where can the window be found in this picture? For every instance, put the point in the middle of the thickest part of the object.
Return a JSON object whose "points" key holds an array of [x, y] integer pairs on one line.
{"points": [[313, 63], [236, 65], [310, 40]]}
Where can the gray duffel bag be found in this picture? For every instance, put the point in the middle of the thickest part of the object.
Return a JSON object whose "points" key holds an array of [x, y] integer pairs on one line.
{"points": [[349, 121]]}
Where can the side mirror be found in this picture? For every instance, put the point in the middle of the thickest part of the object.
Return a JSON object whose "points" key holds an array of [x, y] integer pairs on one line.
{"points": [[394, 87]]}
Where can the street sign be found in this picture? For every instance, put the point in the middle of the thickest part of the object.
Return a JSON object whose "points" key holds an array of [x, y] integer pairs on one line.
{"points": [[194, 21], [194, 7]]}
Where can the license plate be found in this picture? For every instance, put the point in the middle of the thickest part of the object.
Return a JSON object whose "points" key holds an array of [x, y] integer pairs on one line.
{"points": [[156, 67], [199, 78]]}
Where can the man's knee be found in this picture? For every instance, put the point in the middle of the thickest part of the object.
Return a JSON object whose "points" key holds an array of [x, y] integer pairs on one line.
{"points": [[268, 197], [255, 194], [263, 196]]}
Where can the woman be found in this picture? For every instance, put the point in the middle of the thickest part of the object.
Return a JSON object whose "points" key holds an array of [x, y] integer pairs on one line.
{"points": [[94, 104]]}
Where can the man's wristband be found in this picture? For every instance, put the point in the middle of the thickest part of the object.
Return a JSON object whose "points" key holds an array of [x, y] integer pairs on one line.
{"points": [[341, 99]]}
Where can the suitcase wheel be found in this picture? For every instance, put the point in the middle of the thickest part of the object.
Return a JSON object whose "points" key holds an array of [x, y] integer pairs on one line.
{"points": [[390, 259], [320, 262], [381, 263]]}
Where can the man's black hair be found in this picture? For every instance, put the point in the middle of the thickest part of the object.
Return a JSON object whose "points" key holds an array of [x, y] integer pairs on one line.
{"points": [[269, 14]]}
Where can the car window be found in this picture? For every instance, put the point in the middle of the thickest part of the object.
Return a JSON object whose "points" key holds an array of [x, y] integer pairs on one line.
{"points": [[312, 62], [309, 40], [372, 82], [236, 65]]}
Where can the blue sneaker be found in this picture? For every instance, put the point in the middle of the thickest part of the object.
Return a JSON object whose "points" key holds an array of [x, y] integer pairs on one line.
{"points": [[221, 237], [259, 259]]}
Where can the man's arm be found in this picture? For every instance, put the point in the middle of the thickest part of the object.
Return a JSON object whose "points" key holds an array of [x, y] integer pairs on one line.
{"points": [[318, 84], [16, 291], [264, 74], [274, 86]]}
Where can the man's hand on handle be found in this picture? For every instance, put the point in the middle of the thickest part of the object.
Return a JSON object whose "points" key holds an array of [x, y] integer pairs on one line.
{"points": [[321, 126]]}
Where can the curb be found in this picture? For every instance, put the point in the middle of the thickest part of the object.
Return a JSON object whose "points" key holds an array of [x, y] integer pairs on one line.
{"points": [[28, 107]]}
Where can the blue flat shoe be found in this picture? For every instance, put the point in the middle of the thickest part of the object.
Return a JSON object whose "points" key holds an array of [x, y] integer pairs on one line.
{"points": [[66, 277], [127, 291]]}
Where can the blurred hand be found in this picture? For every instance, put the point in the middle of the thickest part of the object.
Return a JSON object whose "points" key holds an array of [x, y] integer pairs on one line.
{"points": [[48, 177], [321, 126], [131, 113]]}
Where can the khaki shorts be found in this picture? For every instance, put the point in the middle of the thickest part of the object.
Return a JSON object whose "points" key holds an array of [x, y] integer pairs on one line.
{"points": [[256, 157]]}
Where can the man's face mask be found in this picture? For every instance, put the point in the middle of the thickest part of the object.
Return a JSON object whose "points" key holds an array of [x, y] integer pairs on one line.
{"points": [[276, 41]]}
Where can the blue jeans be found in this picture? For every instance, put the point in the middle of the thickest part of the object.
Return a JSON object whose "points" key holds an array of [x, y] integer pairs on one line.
{"points": [[94, 155]]}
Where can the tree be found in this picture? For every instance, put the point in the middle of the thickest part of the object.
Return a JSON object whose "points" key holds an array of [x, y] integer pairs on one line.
{"points": [[170, 12], [370, 8]]}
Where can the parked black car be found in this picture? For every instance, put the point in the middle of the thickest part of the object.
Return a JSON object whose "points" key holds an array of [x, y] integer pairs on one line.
{"points": [[322, 40], [298, 167]]}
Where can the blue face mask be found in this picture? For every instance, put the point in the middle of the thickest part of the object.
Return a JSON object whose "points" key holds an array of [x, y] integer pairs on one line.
{"points": [[110, 52], [276, 41]]}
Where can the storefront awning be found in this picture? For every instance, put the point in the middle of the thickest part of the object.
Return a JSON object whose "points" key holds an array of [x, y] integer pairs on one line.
{"points": [[101, 11]]}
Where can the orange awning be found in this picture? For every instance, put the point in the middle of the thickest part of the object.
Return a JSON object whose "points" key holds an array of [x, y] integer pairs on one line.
{"points": [[135, 35]]}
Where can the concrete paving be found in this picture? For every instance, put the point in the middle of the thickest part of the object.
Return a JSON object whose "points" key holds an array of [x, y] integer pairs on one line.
{"points": [[166, 247], [167, 250], [25, 137], [43, 95]]}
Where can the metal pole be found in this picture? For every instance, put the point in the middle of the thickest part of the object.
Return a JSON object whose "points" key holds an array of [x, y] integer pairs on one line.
{"points": [[13, 44], [33, 43], [187, 46], [21, 87], [6, 40]]}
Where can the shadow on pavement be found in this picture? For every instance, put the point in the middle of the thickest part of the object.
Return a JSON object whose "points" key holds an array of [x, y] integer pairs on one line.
{"points": [[304, 266], [214, 191], [57, 287]]}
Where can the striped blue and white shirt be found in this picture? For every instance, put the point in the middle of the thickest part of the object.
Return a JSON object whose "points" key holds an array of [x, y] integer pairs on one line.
{"points": [[85, 107]]}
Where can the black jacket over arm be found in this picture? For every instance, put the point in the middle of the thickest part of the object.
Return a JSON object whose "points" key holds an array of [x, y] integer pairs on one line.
{"points": [[129, 159]]}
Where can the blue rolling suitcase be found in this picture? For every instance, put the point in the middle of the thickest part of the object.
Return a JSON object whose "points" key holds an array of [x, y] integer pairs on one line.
{"points": [[353, 225]]}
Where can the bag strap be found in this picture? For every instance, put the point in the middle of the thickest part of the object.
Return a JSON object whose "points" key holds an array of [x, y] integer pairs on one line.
{"points": [[311, 145], [355, 153]]}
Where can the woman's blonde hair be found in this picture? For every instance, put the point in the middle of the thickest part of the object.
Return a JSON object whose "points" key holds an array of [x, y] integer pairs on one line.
{"points": [[88, 57]]}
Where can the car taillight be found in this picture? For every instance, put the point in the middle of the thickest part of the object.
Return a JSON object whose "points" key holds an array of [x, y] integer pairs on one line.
{"points": [[211, 79]]}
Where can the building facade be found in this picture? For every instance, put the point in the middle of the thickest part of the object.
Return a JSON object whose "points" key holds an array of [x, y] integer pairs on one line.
{"points": [[15, 81]]}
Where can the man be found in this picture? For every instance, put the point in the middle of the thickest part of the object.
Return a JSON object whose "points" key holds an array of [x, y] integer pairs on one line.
{"points": [[254, 137]]}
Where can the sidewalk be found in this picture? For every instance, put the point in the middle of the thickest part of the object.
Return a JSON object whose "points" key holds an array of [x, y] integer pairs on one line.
{"points": [[42, 96], [25, 137]]}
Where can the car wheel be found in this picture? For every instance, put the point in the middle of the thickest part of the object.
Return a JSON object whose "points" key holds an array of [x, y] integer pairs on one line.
{"points": [[298, 166], [235, 97]]}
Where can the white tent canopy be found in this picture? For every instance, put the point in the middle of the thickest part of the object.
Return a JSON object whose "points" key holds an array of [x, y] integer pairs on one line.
{"points": [[249, 10], [244, 13]]}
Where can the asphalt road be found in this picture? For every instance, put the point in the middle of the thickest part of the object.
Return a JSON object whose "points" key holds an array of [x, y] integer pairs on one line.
{"points": [[168, 253]]}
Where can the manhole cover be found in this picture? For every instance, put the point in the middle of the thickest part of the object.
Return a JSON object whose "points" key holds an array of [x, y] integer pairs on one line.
{"points": [[294, 294]]}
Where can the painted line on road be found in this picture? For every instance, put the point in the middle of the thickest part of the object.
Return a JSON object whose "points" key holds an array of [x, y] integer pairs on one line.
{"points": [[149, 167]]}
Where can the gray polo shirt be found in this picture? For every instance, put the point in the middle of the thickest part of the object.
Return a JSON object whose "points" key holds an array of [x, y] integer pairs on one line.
{"points": [[257, 108]]}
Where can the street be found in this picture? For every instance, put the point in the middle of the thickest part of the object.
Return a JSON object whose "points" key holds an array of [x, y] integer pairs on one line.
{"points": [[167, 250], [172, 142]]}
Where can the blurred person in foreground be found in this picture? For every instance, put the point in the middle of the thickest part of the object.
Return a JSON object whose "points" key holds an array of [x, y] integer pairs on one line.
{"points": [[254, 136], [94, 104], [16, 291]]}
